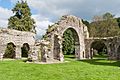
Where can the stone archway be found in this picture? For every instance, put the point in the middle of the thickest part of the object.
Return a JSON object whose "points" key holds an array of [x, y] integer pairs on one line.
{"points": [[55, 33], [25, 50], [98, 47], [58, 39], [58, 44], [18, 38], [76, 42], [10, 51]]}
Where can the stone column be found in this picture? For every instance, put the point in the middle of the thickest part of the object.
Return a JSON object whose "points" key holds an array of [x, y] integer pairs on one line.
{"points": [[61, 56], [45, 55], [77, 51], [34, 54], [91, 53], [18, 52], [109, 51], [30, 51], [51, 56], [39, 52]]}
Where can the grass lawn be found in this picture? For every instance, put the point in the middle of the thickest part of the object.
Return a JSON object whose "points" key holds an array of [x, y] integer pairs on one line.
{"points": [[96, 69]]}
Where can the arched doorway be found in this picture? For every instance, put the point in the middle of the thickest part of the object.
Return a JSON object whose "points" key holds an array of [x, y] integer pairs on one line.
{"points": [[10, 51], [98, 49], [25, 50], [70, 44]]}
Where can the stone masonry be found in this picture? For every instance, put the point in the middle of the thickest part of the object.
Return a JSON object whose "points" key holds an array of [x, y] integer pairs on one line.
{"points": [[83, 41], [55, 37], [18, 38], [49, 49]]}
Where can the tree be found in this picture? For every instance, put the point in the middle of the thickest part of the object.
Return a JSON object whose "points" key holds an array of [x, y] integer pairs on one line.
{"points": [[108, 16], [103, 17], [100, 47], [69, 42], [10, 51], [97, 18], [118, 20], [108, 27], [85, 22], [22, 19]]}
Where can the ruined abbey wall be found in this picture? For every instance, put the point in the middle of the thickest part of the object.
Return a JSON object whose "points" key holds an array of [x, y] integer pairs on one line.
{"points": [[18, 38], [50, 48], [55, 37]]}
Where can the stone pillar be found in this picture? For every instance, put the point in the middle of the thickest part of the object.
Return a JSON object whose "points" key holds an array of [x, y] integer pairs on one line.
{"points": [[109, 51], [45, 55], [88, 48], [39, 52], [30, 51], [82, 47], [52, 47], [18, 52], [34, 54], [61, 56], [91, 53], [77, 51]]}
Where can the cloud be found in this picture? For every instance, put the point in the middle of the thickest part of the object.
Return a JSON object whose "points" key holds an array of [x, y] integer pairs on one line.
{"points": [[42, 25], [48, 8], [48, 11], [82, 8], [86, 9], [4, 15]]}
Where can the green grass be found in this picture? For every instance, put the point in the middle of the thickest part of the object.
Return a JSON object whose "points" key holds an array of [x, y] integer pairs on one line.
{"points": [[96, 69], [100, 56]]}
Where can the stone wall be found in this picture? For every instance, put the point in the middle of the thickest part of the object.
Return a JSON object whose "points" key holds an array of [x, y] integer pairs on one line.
{"points": [[18, 38], [55, 36], [112, 44], [50, 48]]}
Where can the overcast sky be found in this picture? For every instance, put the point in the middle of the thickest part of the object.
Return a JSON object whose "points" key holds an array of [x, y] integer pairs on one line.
{"points": [[47, 12]]}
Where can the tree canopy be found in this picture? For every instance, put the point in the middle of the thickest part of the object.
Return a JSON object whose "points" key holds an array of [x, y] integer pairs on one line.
{"points": [[108, 16], [21, 20], [108, 26], [69, 42]]}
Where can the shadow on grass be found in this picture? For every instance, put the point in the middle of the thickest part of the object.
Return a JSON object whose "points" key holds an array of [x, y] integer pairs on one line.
{"points": [[103, 62]]}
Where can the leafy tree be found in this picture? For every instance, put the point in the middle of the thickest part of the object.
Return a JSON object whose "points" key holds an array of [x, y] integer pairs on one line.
{"points": [[97, 18], [10, 51], [106, 28], [100, 47], [108, 16], [105, 16], [85, 22], [22, 18], [118, 20], [69, 42]]}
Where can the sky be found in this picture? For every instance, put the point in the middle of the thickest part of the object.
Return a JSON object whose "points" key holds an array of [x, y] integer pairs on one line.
{"points": [[47, 12]]}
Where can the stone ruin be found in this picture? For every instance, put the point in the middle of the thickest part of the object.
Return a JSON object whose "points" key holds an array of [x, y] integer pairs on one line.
{"points": [[49, 49], [18, 38], [54, 37]]}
